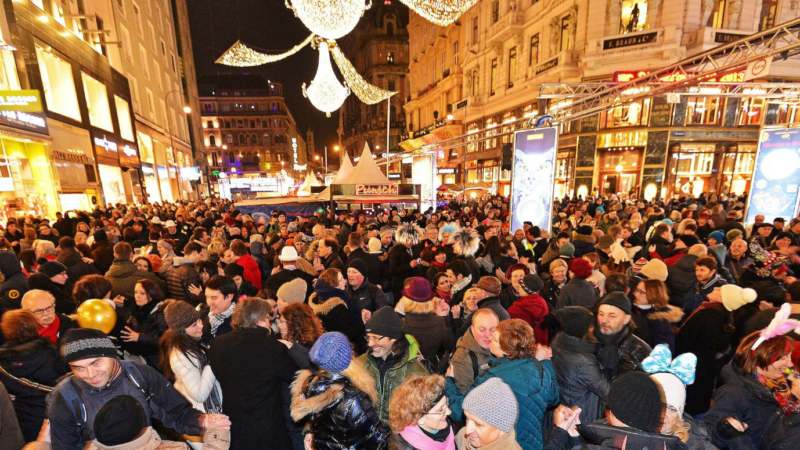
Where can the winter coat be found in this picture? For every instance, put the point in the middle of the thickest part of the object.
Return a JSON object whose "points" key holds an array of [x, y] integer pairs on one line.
{"points": [[253, 369], [664, 248], [367, 296], [191, 380], [535, 387], [399, 268], [434, 336], [274, 282], [745, 399], [10, 434], [707, 333], [630, 352], [551, 292], [103, 256], [374, 273], [14, 285], [338, 410], [579, 375], [469, 361], [577, 292], [123, 276], [37, 361], [64, 303], [251, 271], [583, 245], [681, 281], [398, 368], [655, 325], [76, 267], [149, 322], [599, 435], [532, 309], [335, 315], [179, 278]]}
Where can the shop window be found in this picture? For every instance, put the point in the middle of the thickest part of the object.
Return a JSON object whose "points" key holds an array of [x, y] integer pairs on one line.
{"points": [[91, 177], [472, 176], [631, 114], [472, 138], [750, 111], [124, 118], [633, 16], [533, 55], [717, 19], [769, 9], [702, 110], [512, 66], [8, 70], [491, 133], [57, 82], [492, 76]]}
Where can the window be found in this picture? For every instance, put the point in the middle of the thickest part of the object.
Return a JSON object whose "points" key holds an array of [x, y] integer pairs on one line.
{"points": [[533, 56], [475, 31], [750, 111], [151, 104], [512, 66], [38, 3], [495, 11], [633, 16], [391, 85], [390, 57], [631, 114], [455, 53], [138, 18], [566, 33], [769, 9], [702, 110], [212, 141], [472, 138], [8, 69], [163, 48], [492, 76], [241, 139], [145, 65], [58, 13], [97, 102], [717, 19], [57, 83], [474, 83], [491, 133], [124, 118], [229, 139]]}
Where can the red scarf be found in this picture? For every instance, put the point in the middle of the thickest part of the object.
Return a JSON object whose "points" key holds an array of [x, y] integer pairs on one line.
{"points": [[50, 332]]}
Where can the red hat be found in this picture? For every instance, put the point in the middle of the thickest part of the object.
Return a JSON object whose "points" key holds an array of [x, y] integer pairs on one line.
{"points": [[418, 289], [580, 267]]}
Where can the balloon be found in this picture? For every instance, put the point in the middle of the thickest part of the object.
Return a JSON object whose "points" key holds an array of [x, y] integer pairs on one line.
{"points": [[97, 314]]}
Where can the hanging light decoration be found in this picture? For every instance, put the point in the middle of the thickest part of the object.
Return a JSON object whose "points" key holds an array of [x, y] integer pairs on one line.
{"points": [[440, 12], [325, 92], [327, 18], [366, 92], [240, 55]]}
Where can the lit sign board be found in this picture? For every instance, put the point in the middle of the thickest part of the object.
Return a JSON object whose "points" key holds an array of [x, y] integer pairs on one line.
{"points": [[533, 176], [26, 100], [377, 189]]}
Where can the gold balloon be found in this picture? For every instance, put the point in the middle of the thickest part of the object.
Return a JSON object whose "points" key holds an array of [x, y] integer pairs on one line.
{"points": [[97, 314]]}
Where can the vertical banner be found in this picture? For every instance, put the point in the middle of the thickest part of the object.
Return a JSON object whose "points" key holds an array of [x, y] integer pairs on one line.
{"points": [[774, 190], [532, 178], [423, 173]]}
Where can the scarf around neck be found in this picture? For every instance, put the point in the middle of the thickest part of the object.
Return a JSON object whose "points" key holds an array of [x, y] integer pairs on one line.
{"points": [[608, 350], [215, 320], [419, 439], [50, 332]]}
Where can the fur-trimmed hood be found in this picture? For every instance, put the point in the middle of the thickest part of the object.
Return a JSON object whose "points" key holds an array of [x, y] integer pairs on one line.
{"points": [[670, 314], [326, 306], [332, 387], [466, 242], [407, 233]]}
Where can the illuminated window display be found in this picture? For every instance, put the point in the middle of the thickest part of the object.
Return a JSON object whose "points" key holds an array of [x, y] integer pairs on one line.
{"points": [[629, 115], [633, 16], [702, 110]]}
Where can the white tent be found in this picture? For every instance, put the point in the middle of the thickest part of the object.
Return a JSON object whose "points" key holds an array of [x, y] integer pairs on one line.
{"points": [[305, 188], [345, 168], [365, 172]]}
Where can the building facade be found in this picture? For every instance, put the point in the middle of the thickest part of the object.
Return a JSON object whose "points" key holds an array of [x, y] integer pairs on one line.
{"points": [[481, 76], [252, 141], [378, 48]]}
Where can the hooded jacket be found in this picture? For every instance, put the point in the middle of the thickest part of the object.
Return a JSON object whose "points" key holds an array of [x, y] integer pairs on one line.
{"points": [[15, 284], [331, 306], [580, 377], [338, 409]]}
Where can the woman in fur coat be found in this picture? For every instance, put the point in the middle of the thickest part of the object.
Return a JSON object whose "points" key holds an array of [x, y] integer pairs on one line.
{"points": [[653, 316], [335, 402]]}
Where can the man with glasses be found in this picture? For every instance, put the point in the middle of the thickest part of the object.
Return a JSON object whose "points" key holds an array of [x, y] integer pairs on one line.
{"points": [[42, 305]]}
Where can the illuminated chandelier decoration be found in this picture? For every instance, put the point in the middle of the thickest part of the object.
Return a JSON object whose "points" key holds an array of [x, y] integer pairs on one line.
{"points": [[366, 92], [329, 19], [440, 12], [325, 92], [240, 55]]}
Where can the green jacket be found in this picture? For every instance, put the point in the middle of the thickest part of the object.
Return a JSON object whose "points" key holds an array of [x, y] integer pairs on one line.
{"points": [[407, 367]]}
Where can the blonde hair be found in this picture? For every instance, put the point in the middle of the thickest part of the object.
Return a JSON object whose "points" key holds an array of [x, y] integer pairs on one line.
{"points": [[674, 425]]}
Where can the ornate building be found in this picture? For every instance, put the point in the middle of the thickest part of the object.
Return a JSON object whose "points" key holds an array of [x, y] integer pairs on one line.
{"points": [[378, 48], [480, 76]]}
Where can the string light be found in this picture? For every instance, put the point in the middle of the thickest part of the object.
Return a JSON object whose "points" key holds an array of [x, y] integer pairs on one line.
{"points": [[240, 55], [366, 92], [329, 19], [440, 12], [325, 92]]}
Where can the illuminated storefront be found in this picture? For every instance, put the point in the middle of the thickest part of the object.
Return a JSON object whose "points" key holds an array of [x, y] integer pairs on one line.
{"points": [[147, 159], [107, 153], [73, 158], [620, 161]]}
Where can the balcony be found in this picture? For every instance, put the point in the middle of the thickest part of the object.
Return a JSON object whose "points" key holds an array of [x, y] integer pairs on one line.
{"points": [[509, 26]]}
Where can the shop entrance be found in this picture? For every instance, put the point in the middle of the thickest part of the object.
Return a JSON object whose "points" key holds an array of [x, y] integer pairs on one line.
{"points": [[619, 170]]}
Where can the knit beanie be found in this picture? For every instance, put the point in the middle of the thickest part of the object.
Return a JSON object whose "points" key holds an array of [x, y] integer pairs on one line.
{"points": [[386, 322], [567, 250], [119, 421], [617, 299], [718, 236], [493, 402], [418, 289], [52, 268], [331, 352], [359, 265], [575, 320], [179, 314], [83, 343], [637, 401], [490, 284], [734, 297], [581, 268], [673, 388], [293, 291], [655, 269], [532, 283]]}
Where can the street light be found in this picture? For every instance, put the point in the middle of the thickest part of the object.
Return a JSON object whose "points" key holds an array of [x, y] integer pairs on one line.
{"points": [[187, 109]]}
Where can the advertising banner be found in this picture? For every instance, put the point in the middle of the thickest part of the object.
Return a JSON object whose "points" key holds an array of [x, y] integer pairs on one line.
{"points": [[423, 173], [774, 191], [532, 179]]}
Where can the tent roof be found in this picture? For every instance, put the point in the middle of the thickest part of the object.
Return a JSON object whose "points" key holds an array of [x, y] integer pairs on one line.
{"points": [[345, 169], [365, 172]]}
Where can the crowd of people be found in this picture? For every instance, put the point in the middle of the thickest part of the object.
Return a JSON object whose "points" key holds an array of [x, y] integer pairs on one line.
{"points": [[400, 329]]}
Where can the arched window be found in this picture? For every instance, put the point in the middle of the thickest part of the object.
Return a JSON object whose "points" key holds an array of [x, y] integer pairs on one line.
{"points": [[265, 140], [241, 139], [253, 139], [229, 139], [212, 141]]}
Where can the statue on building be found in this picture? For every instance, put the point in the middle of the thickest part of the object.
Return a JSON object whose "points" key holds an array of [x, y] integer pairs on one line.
{"points": [[633, 23]]}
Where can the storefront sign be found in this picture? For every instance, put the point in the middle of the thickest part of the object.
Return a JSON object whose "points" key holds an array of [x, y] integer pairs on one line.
{"points": [[630, 41], [35, 122], [533, 176], [191, 173], [107, 150], [377, 189], [129, 156], [544, 67], [724, 38], [72, 156], [25, 100], [394, 176], [447, 170], [776, 178]]}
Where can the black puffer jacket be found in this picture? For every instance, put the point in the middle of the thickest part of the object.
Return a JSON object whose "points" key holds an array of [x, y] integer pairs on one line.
{"points": [[580, 378], [338, 410]]}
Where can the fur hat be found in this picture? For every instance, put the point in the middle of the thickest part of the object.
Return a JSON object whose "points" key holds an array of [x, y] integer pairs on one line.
{"points": [[655, 269], [466, 242], [179, 314], [407, 233]]}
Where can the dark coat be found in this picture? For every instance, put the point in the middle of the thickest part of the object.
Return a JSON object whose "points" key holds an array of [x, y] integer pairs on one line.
{"points": [[580, 377], [102, 255], [655, 325], [123, 276], [64, 303], [148, 321], [435, 338], [37, 361], [577, 292], [373, 265], [681, 281], [274, 282], [76, 267], [339, 410], [179, 278], [15, 285], [367, 296], [253, 368], [631, 350], [335, 315], [399, 268]]}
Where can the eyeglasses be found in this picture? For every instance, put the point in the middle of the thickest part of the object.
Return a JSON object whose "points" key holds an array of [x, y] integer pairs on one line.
{"points": [[43, 311]]}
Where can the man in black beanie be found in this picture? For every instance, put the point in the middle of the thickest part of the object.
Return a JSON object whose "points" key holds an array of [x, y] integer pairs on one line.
{"points": [[391, 358], [365, 297], [99, 376], [619, 350]]}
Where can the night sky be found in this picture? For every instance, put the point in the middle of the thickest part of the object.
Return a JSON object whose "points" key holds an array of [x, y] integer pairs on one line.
{"points": [[268, 26]]}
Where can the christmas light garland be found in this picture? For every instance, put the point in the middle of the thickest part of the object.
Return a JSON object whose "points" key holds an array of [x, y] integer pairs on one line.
{"points": [[366, 92], [325, 92], [240, 55], [440, 12], [330, 19]]}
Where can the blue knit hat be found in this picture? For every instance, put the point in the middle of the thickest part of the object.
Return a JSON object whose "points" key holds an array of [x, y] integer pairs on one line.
{"points": [[718, 236], [332, 352]]}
